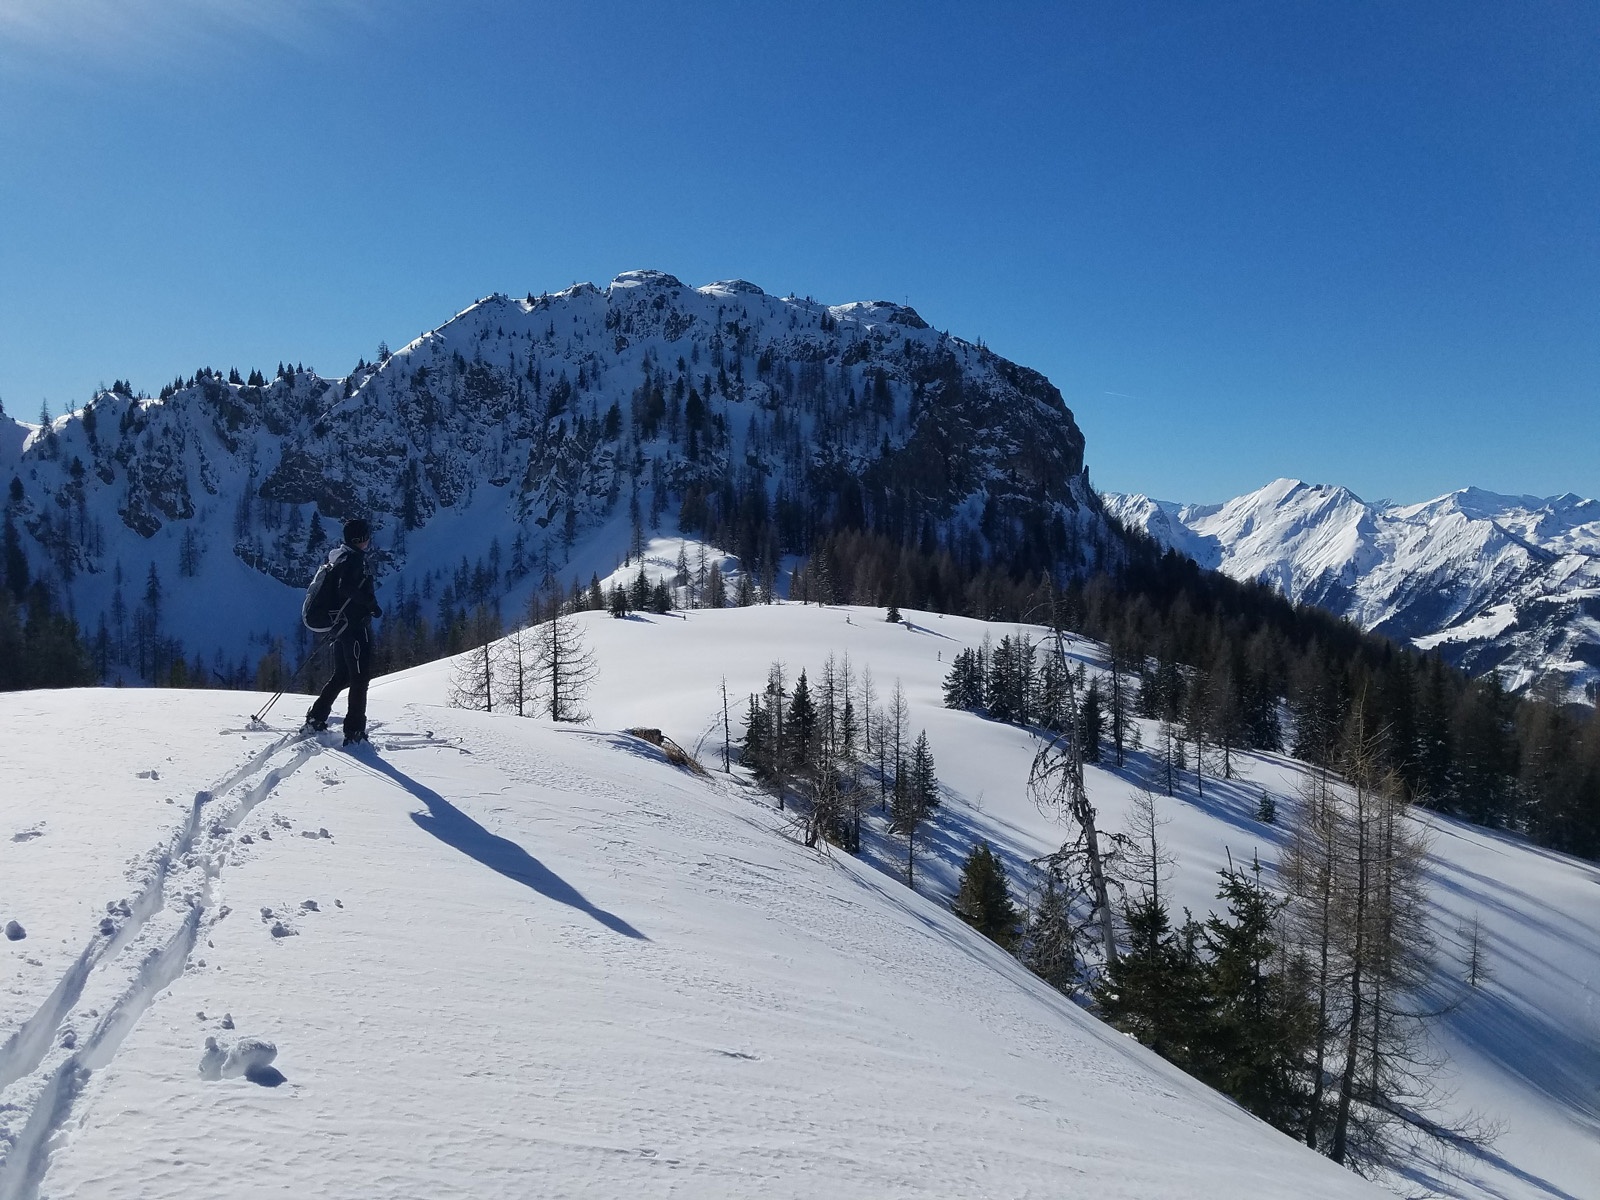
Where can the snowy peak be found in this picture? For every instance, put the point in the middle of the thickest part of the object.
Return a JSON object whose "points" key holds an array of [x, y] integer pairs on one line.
{"points": [[1493, 582], [529, 435]]}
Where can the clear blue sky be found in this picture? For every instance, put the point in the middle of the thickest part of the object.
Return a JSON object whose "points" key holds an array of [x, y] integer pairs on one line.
{"points": [[1354, 242]]}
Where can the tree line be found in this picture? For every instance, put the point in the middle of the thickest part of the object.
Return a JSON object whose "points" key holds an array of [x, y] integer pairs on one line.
{"points": [[1223, 665], [1306, 1001], [831, 752]]}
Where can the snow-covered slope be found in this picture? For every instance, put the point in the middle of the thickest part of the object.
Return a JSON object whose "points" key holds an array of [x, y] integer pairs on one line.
{"points": [[1509, 583], [502, 958], [521, 442]]}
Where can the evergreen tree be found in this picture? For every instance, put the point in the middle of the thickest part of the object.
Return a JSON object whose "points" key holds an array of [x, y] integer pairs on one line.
{"points": [[1050, 941], [1155, 988], [983, 899], [963, 686], [1091, 723], [802, 727], [639, 591], [1118, 702], [1260, 1025], [745, 592], [914, 799], [755, 747], [1053, 705]]}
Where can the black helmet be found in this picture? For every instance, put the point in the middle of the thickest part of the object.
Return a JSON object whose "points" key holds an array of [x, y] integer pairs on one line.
{"points": [[356, 531]]}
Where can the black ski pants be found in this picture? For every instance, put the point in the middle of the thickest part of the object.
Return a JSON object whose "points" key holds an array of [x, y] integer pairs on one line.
{"points": [[352, 668]]}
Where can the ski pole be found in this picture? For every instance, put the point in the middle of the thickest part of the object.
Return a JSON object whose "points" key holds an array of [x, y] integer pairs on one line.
{"points": [[257, 718]]}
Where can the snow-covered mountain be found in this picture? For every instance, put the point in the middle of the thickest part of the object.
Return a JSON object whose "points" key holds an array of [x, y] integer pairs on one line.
{"points": [[499, 957], [525, 439], [1507, 583]]}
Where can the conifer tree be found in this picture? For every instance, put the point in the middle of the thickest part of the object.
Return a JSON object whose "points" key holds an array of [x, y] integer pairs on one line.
{"points": [[802, 727], [475, 677], [914, 799], [564, 668], [1260, 1025], [639, 591], [755, 747], [1050, 940], [1355, 873], [1143, 863], [1091, 723], [892, 744], [1154, 989], [1118, 703], [963, 686], [515, 677], [776, 702], [983, 899]]}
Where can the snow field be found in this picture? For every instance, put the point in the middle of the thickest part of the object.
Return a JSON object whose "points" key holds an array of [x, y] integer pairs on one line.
{"points": [[1523, 1050], [499, 957], [543, 962]]}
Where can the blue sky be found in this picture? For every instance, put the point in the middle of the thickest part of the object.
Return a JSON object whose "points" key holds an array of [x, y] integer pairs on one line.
{"points": [[1353, 242]]}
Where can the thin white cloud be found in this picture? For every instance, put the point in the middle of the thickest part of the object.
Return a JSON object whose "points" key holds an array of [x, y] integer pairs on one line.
{"points": [[139, 34]]}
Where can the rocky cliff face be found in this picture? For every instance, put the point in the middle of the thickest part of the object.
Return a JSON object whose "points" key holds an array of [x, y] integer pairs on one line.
{"points": [[1508, 583], [535, 433]]}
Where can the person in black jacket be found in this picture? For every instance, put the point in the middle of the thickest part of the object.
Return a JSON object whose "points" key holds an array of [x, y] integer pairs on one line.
{"points": [[351, 636]]}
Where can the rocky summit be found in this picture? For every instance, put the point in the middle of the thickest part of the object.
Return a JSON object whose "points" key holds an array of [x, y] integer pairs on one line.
{"points": [[528, 437]]}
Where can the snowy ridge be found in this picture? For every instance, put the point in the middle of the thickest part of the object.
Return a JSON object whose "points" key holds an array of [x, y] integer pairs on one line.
{"points": [[43, 1066], [498, 957], [1508, 583], [525, 437]]}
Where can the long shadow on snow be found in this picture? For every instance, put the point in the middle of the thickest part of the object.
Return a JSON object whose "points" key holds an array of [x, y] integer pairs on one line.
{"points": [[457, 830], [1442, 1180], [1553, 1061]]}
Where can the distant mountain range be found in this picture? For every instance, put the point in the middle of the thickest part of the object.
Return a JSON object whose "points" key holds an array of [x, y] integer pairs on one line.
{"points": [[1506, 583]]}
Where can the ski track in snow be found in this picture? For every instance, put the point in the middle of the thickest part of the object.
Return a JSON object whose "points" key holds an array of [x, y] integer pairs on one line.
{"points": [[145, 954], [653, 989]]}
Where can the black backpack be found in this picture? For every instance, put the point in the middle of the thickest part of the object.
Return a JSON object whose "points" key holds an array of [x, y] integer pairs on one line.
{"points": [[321, 609]]}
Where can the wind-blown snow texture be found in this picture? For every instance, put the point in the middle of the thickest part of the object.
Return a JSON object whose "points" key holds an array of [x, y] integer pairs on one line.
{"points": [[1492, 582], [518, 435], [496, 957]]}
